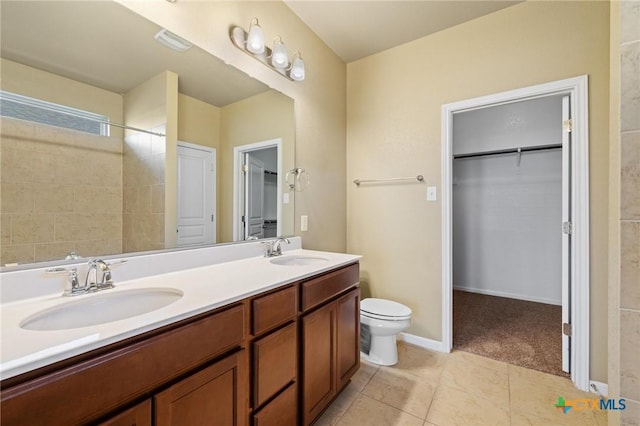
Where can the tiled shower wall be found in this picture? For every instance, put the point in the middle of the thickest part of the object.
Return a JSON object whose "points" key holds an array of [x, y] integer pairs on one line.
{"points": [[144, 189], [629, 309], [61, 191]]}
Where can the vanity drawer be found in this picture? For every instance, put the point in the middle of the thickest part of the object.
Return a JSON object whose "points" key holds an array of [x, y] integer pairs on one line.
{"points": [[274, 363], [323, 288], [95, 386], [282, 411], [273, 310]]}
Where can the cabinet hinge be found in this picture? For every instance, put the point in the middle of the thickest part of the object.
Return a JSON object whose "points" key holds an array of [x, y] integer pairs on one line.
{"points": [[567, 228], [566, 329]]}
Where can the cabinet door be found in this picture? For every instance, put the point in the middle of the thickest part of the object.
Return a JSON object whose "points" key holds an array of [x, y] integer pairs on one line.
{"points": [[274, 363], [140, 415], [347, 336], [213, 396], [318, 373]]}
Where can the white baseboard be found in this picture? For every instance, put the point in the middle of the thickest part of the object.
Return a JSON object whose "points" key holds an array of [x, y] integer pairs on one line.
{"points": [[508, 295], [602, 388], [422, 342]]}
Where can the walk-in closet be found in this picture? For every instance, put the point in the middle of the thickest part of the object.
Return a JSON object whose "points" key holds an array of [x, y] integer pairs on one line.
{"points": [[507, 209]]}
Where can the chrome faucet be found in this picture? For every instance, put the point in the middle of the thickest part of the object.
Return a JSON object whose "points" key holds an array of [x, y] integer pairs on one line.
{"points": [[273, 248], [98, 277], [91, 283]]}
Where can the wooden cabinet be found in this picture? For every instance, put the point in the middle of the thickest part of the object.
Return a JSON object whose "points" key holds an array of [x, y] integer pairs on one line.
{"points": [[95, 384], [139, 415], [274, 359], [330, 338], [210, 397]]}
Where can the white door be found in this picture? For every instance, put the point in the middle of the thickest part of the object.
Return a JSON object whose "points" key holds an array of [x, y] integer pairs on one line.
{"points": [[566, 235], [196, 195], [254, 197]]}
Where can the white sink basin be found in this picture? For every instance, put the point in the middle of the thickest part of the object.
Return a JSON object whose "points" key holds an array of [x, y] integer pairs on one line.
{"points": [[102, 308], [299, 260]]}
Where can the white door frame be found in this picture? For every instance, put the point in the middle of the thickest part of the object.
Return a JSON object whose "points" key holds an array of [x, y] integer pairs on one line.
{"points": [[213, 152], [577, 88], [238, 178]]}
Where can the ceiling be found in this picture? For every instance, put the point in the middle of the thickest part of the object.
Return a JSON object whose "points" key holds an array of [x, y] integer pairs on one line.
{"points": [[357, 28], [78, 40]]}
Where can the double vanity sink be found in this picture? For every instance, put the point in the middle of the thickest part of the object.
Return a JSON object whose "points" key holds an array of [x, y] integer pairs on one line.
{"points": [[43, 330], [114, 306], [273, 340]]}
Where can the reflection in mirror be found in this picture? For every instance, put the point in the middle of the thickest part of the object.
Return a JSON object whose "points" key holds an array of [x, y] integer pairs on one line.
{"points": [[100, 190]]}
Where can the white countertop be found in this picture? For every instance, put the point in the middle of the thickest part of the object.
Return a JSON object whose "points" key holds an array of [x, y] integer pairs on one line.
{"points": [[204, 288]]}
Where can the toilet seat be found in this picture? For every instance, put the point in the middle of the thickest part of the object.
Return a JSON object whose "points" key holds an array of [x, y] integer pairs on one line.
{"points": [[384, 309]]}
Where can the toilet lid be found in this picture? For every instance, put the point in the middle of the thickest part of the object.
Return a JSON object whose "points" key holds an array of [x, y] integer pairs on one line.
{"points": [[382, 308]]}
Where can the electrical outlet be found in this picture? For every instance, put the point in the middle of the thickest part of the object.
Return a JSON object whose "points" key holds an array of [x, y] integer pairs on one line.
{"points": [[304, 223]]}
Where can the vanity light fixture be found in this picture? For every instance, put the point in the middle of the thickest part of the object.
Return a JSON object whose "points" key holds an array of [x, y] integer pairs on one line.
{"points": [[172, 41], [276, 58]]}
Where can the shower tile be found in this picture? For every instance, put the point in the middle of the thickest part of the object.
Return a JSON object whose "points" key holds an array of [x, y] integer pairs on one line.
{"points": [[630, 87], [629, 21], [19, 253], [52, 198], [630, 265], [53, 251], [631, 415], [17, 198], [32, 228], [629, 350], [630, 176]]}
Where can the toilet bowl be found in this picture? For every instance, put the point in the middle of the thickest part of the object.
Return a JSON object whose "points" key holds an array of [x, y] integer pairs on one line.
{"points": [[381, 320]]}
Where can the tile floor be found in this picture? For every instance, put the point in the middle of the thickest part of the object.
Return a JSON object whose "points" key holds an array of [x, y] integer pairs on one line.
{"points": [[431, 388]]}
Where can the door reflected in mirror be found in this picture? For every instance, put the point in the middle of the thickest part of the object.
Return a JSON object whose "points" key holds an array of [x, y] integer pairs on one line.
{"points": [[115, 190]]}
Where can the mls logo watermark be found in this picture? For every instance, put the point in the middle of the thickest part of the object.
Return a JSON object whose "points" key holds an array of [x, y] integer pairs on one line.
{"points": [[582, 404]]}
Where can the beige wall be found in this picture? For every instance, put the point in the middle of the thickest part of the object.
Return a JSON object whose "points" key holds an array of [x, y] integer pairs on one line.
{"points": [[145, 164], [319, 101], [624, 202], [393, 111], [198, 122], [259, 118], [35, 83]]}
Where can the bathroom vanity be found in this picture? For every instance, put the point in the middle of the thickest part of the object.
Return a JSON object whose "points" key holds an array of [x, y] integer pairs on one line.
{"points": [[273, 354]]}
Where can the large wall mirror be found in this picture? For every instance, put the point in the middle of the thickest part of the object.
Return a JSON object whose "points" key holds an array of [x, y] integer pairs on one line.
{"points": [[201, 160]]}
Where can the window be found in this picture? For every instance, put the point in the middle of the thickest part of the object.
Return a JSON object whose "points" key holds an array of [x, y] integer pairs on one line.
{"points": [[39, 111]]}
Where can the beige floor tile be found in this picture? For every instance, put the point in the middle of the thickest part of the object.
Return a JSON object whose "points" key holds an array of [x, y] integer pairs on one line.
{"points": [[452, 406], [484, 382], [409, 393], [363, 375], [525, 419], [338, 407], [477, 361], [367, 411], [419, 362], [534, 395]]}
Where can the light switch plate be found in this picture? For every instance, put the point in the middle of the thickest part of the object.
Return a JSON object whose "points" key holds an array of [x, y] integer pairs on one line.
{"points": [[304, 223], [431, 193]]}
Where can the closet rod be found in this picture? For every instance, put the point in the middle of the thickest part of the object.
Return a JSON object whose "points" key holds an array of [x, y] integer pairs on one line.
{"points": [[508, 151]]}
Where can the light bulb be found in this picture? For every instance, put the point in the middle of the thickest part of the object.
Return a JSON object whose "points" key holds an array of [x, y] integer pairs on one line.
{"points": [[255, 39], [297, 68], [279, 56]]}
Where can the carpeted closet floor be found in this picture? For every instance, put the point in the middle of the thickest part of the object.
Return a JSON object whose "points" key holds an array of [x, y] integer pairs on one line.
{"points": [[519, 332]]}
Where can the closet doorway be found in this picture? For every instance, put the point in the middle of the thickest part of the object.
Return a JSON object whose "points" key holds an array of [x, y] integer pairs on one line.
{"points": [[515, 223], [257, 189]]}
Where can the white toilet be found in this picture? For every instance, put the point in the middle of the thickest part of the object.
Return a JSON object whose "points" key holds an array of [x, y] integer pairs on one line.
{"points": [[381, 320]]}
